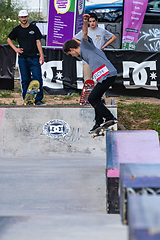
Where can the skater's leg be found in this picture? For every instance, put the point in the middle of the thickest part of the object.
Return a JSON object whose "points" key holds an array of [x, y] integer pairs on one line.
{"points": [[101, 111]]}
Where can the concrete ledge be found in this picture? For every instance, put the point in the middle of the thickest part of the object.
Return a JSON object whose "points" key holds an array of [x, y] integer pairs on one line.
{"points": [[21, 131], [53, 106]]}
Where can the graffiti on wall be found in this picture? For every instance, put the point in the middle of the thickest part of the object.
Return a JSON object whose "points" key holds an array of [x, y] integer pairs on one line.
{"points": [[150, 39]]}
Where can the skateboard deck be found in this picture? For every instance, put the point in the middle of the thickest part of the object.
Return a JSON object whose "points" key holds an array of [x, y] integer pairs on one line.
{"points": [[87, 88], [31, 94], [104, 127]]}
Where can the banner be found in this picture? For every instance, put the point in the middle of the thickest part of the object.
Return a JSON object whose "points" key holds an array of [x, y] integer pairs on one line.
{"points": [[7, 67], [78, 17], [138, 73], [65, 20], [133, 16]]}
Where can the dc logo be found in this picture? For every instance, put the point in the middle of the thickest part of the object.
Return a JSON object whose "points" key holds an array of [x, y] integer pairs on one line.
{"points": [[140, 74], [56, 128], [52, 69]]}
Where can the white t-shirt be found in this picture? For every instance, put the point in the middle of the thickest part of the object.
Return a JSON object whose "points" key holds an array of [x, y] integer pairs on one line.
{"points": [[99, 36]]}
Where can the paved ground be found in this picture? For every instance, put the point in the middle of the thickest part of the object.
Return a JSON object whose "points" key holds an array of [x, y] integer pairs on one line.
{"points": [[58, 198]]}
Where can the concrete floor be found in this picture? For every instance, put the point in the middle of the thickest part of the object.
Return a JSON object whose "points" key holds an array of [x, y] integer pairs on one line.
{"points": [[58, 198]]}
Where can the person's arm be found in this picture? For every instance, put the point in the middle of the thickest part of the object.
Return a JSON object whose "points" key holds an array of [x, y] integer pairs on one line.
{"points": [[17, 50], [39, 46], [112, 39], [85, 26], [78, 37], [78, 41]]}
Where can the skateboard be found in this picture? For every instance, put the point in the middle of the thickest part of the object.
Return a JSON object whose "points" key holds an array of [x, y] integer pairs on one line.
{"points": [[31, 94], [104, 127], [87, 88]]}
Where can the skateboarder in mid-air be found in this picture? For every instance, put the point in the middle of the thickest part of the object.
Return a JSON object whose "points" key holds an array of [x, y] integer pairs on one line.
{"points": [[102, 71]]}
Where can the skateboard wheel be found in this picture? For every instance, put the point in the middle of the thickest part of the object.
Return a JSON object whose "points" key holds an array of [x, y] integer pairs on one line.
{"points": [[112, 128], [103, 134], [93, 136], [102, 130]]}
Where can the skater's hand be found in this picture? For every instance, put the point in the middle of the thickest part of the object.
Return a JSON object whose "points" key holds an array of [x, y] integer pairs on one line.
{"points": [[85, 26], [86, 17]]}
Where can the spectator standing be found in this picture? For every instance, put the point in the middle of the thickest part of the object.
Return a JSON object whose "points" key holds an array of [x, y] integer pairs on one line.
{"points": [[30, 53]]}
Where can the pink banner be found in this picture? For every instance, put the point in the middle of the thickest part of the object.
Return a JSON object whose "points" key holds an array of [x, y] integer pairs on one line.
{"points": [[134, 11]]}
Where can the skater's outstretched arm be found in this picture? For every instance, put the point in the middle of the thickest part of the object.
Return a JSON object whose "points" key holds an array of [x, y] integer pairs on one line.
{"points": [[85, 26]]}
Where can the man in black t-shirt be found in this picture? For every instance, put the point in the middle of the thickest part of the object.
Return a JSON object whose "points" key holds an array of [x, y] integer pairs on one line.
{"points": [[30, 53]]}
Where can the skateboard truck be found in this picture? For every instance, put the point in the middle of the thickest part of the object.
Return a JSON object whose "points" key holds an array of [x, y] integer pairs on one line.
{"points": [[100, 131]]}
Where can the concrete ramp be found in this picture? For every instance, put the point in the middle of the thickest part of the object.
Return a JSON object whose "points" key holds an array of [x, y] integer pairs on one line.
{"points": [[53, 176], [57, 198], [47, 131]]}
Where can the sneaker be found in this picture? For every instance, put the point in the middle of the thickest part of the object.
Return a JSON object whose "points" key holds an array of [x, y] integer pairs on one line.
{"points": [[40, 103], [94, 127], [114, 119]]}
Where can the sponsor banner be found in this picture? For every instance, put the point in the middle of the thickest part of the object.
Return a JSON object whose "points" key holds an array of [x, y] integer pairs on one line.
{"points": [[80, 6], [138, 73], [61, 73], [65, 18], [133, 16]]}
